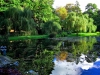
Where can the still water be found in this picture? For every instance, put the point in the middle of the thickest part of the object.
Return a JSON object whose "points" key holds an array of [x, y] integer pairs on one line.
{"points": [[38, 54]]}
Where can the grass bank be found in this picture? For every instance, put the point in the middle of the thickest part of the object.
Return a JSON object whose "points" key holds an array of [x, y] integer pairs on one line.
{"points": [[27, 37], [83, 34], [12, 38]]}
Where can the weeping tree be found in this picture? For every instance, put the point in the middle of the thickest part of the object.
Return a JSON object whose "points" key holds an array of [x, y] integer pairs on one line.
{"points": [[79, 23], [51, 26], [28, 14], [19, 20], [14, 14], [5, 26], [70, 22], [90, 24], [27, 22]]}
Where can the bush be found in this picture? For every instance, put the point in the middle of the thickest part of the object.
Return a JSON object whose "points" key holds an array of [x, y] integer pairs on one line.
{"points": [[98, 33], [63, 34], [53, 34]]}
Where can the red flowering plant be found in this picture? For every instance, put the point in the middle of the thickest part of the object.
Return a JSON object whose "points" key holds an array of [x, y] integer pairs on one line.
{"points": [[9, 69]]}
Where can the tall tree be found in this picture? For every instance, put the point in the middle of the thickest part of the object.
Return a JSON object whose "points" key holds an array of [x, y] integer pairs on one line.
{"points": [[77, 23], [69, 7], [50, 27], [91, 9], [42, 12], [70, 22], [97, 20], [73, 7], [77, 7]]}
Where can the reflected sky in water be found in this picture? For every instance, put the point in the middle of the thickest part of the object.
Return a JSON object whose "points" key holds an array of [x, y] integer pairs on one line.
{"points": [[71, 68]]}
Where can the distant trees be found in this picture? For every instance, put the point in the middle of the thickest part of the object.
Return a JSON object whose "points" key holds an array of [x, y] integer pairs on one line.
{"points": [[77, 23], [73, 7], [93, 12], [39, 17], [91, 9]]}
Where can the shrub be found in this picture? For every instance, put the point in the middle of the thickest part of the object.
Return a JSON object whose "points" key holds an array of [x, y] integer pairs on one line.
{"points": [[63, 34], [98, 33], [53, 34]]}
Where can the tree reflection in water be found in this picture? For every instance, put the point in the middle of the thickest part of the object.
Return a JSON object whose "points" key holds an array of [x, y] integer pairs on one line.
{"points": [[38, 54]]}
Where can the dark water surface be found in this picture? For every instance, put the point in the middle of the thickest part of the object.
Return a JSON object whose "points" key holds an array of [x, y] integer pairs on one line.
{"points": [[38, 54]]}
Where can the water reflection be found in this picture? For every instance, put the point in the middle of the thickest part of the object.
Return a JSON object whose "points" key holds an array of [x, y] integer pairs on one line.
{"points": [[64, 67], [38, 54]]}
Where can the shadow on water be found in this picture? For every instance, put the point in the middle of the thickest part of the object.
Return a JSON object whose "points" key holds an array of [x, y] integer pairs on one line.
{"points": [[38, 54]]}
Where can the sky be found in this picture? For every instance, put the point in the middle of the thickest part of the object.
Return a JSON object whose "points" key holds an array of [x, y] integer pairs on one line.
{"points": [[83, 3]]}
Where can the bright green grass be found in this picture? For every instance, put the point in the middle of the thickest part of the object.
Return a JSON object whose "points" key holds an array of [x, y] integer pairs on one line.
{"points": [[46, 36], [27, 37], [83, 34]]}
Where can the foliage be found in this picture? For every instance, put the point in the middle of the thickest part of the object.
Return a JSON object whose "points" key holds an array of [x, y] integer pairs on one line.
{"points": [[77, 23], [6, 4], [73, 7], [63, 34], [51, 26], [20, 20], [61, 12], [42, 10], [98, 33], [31, 17], [96, 20], [53, 34], [26, 15], [70, 21], [91, 9]]}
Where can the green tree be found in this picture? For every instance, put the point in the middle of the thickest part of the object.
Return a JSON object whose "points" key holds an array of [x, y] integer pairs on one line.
{"points": [[91, 9], [50, 27], [96, 20], [70, 7], [42, 12], [79, 23], [70, 22], [77, 7], [27, 23], [73, 7], [6, 4], [20, 20]]}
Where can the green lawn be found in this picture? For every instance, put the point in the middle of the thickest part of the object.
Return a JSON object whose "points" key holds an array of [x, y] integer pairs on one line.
{"points": [[27, 37], [84, 34], [46, 36]]}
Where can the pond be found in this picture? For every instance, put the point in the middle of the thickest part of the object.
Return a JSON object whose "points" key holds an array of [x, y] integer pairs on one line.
{"points": [[38, 54]]}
